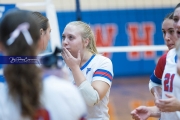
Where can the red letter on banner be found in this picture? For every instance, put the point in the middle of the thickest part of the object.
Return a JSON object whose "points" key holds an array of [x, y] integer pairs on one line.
{"points": [[105, 35], [141, 35]]}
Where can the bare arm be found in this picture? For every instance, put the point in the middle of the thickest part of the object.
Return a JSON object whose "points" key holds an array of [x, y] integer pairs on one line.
{"points": [[144, 112], [101, 87]]}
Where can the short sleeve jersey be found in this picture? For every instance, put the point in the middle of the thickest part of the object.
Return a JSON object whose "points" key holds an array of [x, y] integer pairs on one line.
{"points": [[171, 83], [100, 68]]}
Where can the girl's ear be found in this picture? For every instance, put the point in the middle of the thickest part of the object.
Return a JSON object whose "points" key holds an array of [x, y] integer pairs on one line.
{"points": [[41, 31], [86, 42]]}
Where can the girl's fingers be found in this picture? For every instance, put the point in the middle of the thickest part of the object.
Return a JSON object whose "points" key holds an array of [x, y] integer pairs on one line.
{"points": [[67, 52], [64, 55], [165, 101]]}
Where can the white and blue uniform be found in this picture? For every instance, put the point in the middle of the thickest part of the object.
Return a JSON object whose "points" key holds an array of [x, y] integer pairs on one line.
{"points": [[171, 84], [60, 99], [170, 81], [100, 68]]}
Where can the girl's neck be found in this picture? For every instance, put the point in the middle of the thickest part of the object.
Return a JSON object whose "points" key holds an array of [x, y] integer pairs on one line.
{"points": [[85, 57]]}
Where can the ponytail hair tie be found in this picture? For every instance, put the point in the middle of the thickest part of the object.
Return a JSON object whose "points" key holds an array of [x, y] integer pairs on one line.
{"points": [[23, 27]]}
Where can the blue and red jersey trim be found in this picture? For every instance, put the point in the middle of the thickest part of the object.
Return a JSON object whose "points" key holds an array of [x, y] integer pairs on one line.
{"points": [[155, 79], [103, 73], [87, 62]]}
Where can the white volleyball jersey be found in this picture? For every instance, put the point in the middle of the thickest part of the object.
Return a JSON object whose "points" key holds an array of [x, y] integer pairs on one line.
{"points": [[171, 84], [60, 99], [100, 68]]}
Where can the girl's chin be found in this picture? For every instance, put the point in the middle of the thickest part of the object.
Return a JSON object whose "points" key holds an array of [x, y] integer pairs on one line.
{"points": [[171, 47]]}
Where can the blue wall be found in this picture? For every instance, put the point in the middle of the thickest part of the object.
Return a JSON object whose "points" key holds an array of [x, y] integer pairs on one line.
{"points": [[120, 20]]}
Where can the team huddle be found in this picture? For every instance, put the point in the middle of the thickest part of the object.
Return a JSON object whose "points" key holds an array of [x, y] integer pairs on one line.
{"points": [[80, 89], [44, 92]]}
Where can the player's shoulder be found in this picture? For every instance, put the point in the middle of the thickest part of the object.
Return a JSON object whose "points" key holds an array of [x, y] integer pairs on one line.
{"points": [[59, 88], [55, 83], [171, 52], [163, 57], [61, 96], [161, 63], [54, 86], [102, 58], [168, 53]]}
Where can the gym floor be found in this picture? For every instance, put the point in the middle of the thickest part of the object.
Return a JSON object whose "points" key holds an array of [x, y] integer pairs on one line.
{"points": [[128, 93]]}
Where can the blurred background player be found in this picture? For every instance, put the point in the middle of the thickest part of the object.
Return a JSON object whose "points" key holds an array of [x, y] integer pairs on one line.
{"points": [[25, 95], [170, 39], [92, 73], [168, 106], [45, 30]]}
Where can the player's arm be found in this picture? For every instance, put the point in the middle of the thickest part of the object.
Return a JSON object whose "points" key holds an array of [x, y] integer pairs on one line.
{"points": [[144, 112], [89, 94], [155, 79], [101, 87], [155, 112], [102, 78], [154, 84]]}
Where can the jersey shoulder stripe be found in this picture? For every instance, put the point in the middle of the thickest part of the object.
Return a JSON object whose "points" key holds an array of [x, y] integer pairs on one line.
{"points": [[103, 73]]}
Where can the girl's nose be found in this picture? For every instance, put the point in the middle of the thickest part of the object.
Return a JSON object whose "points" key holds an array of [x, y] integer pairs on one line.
{"points": [[167, 38], [65, 42]]}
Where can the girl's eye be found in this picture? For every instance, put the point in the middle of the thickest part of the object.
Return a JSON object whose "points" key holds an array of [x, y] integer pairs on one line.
{"points": [[163, 32], [171, 31], [175, 19], [71, 37], [63, 37]]}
